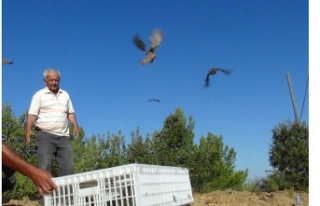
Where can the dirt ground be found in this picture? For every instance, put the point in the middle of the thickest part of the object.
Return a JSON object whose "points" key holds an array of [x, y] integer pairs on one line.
{"points": [[245, 198], [225, 198]]}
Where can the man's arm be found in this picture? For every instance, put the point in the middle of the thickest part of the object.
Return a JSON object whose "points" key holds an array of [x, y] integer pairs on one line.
{"points": [[40, 177], [72, 118], [30, 121]]}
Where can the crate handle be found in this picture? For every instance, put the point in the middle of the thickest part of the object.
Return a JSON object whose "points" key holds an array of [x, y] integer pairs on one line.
{"points": [[88, 188]]}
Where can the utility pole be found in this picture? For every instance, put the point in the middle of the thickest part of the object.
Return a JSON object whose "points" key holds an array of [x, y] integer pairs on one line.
{"points": [[292, 98]]}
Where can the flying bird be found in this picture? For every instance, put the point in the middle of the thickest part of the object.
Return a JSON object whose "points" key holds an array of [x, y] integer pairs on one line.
{"points": [[150, 54], [213, 71], [154, 100], [6, 61]]}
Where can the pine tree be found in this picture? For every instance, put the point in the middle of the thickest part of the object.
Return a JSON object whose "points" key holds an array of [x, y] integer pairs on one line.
{"points": [[173, 144], [289, 153]]}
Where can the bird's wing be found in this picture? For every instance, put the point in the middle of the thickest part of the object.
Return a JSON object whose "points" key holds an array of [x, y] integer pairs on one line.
{"points": [[207, 80], [156, 38], [139, 43], [223, 70]]}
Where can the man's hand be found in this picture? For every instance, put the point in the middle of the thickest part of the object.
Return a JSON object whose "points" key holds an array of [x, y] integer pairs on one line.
{"points": [[29, 134], [42, 179], [76, 133]]}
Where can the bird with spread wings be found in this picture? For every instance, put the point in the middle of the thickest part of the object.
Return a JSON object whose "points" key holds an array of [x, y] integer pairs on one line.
{"points": [[150, 54], [213, 71], [154, 100]]}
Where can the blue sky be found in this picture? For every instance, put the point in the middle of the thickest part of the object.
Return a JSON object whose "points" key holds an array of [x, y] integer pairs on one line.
{"points": [[90, 42]]}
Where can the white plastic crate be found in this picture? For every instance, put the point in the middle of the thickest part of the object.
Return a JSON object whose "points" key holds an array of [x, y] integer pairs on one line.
{"points": [[127, 185]]}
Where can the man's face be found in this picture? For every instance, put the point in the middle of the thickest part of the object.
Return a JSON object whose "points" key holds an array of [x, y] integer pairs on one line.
{"points": [[52, 81]]}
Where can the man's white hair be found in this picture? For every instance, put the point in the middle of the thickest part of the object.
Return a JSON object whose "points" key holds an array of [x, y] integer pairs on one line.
{"points": [[45, 72]]}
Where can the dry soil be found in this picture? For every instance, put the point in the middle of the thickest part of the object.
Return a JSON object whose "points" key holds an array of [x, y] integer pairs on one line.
{"points": [[224, 198]]}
